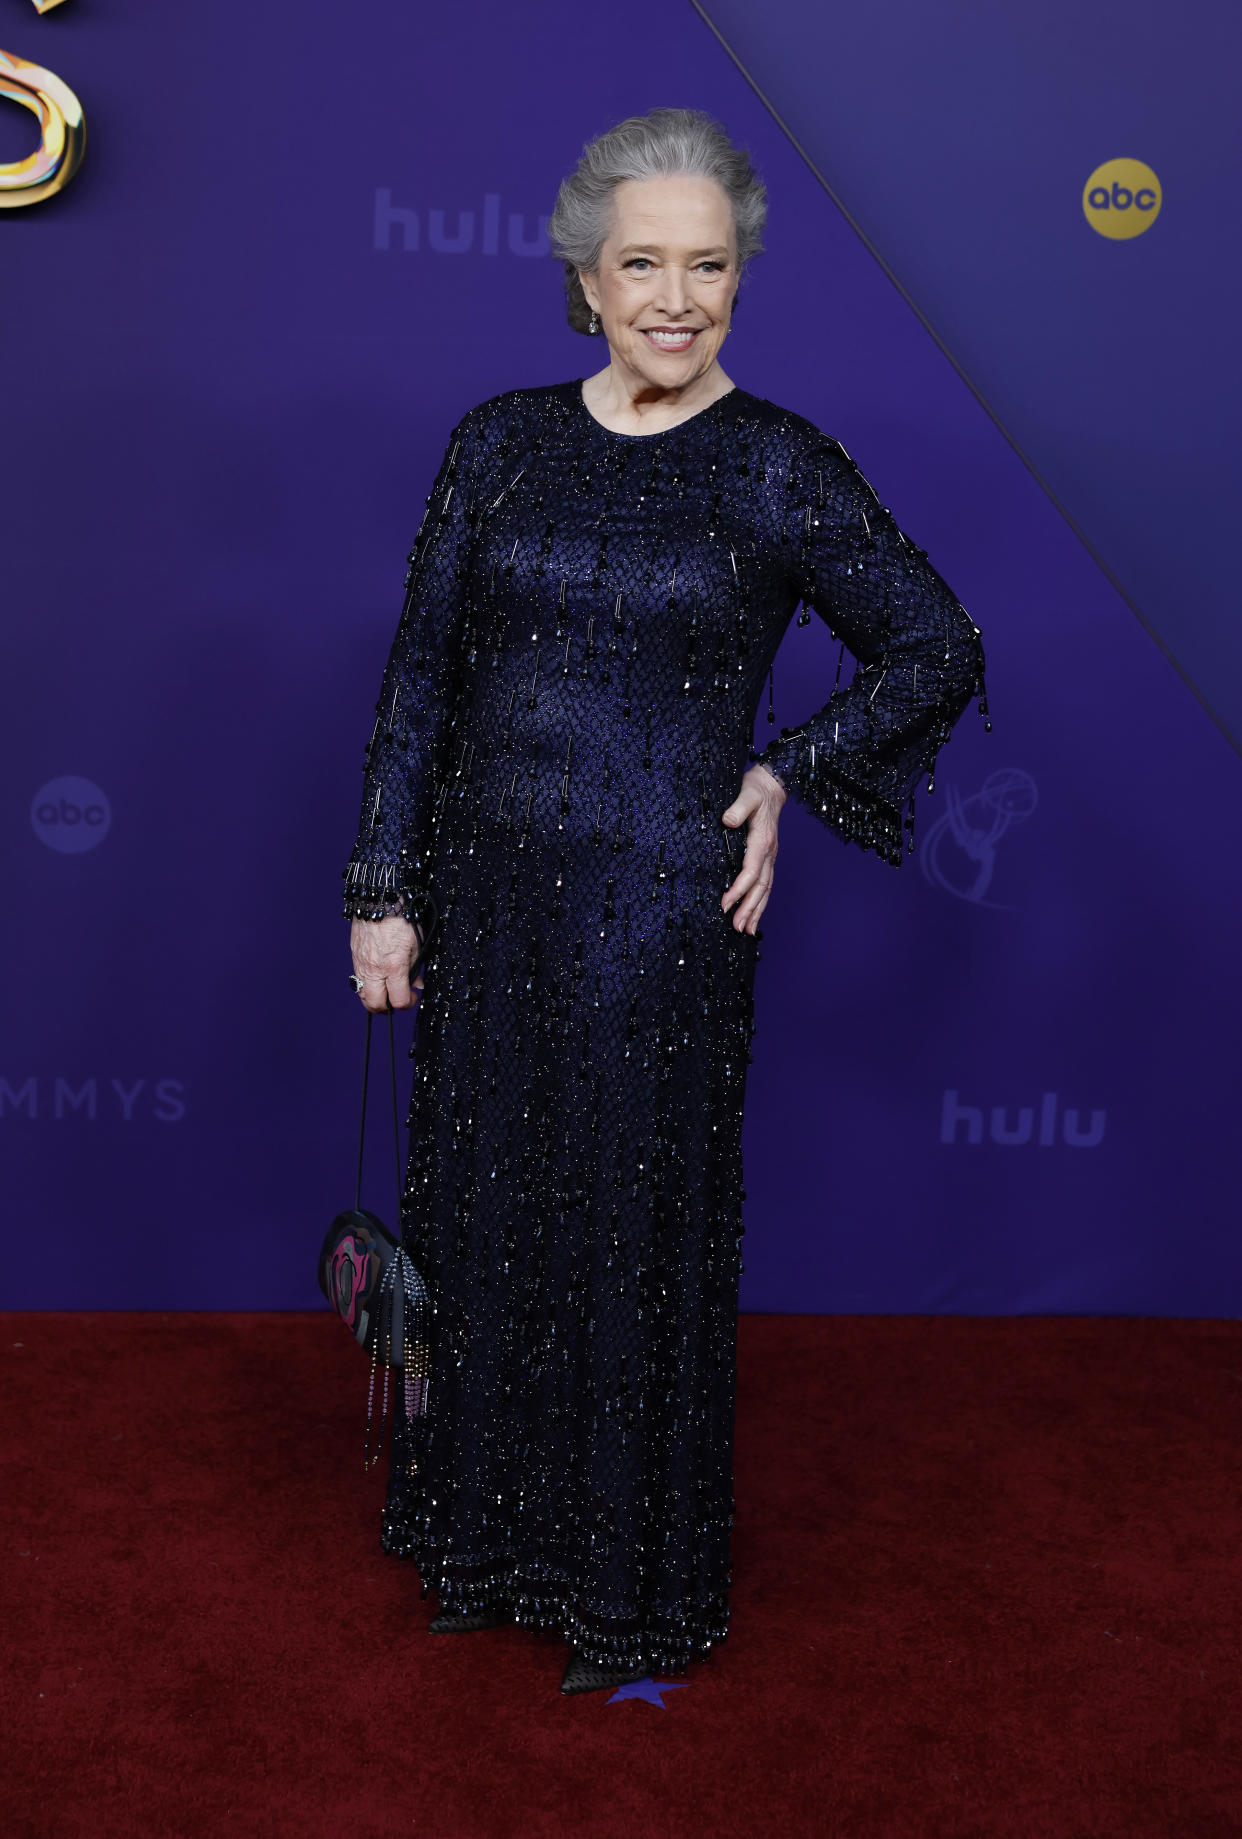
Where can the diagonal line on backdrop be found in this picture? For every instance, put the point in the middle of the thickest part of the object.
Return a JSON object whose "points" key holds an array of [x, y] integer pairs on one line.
{"points": [[1234, 741]]}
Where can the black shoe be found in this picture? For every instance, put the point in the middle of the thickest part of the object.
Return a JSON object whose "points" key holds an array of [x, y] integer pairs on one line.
{"points": [[447, 1624], [582, 1675]]}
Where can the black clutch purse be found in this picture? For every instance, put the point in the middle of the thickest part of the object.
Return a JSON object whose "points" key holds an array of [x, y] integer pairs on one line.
{"points": [[372, 1284]]}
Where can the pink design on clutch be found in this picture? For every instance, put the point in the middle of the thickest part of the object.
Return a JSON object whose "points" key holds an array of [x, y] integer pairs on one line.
{"points": [[349, 1277]]}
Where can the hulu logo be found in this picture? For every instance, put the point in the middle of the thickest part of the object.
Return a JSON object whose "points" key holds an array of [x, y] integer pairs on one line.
{"points": [[469, 231], [964, 1123]]}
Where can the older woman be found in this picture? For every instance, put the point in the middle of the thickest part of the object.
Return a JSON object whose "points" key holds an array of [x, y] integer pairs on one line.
{"points": [[563, 759]]}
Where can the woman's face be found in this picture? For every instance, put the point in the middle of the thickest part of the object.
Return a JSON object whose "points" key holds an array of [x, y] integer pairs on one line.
{"points": [[666, 279]]}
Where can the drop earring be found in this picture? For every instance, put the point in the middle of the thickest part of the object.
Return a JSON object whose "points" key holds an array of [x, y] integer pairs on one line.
{"points": [[594, 325]]}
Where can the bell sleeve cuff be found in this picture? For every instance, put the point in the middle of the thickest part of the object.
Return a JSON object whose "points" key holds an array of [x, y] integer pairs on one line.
{"points": [[918, 656]]}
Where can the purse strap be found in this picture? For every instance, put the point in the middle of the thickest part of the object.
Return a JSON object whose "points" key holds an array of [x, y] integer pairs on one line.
{"points": [[396, 1120]]}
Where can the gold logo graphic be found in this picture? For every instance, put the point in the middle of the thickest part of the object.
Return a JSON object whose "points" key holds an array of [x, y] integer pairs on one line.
{"points": [[1121, 199], [62, 127]]}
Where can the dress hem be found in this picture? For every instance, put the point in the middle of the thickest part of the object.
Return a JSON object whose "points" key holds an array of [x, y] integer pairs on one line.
{"points": [[540, 1604]]}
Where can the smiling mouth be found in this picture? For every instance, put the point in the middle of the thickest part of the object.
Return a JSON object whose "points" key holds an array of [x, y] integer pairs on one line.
{"points": [[675, 338]]}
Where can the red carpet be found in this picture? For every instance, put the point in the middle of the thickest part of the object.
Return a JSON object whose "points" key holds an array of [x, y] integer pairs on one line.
{"points": [[988, 1576]]}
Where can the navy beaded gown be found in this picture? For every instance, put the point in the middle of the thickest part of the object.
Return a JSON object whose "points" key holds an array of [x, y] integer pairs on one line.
{"points": [[567, 710]]}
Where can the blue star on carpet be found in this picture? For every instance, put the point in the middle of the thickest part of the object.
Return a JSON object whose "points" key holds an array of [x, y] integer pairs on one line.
{"points": [[649, 1689]]}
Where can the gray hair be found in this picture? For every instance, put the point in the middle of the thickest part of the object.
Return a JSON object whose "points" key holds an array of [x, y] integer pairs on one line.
{"points": [[660, 144]]}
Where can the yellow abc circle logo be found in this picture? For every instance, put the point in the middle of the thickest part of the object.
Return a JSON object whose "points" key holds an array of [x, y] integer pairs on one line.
{"points": [[1121, 199]]}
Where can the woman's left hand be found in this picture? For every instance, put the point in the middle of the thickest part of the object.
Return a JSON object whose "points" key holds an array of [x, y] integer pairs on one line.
{"points": [[758, 806]]}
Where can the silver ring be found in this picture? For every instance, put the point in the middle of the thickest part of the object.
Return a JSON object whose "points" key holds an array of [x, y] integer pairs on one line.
{"points": [[355, 983]]}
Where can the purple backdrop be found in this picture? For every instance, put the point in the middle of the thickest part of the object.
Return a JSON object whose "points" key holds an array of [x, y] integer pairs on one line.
{"points": [[301, 244]]}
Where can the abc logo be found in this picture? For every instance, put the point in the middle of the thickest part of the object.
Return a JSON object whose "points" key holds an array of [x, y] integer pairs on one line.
{"points": [[1121, 199], [70, 815]]}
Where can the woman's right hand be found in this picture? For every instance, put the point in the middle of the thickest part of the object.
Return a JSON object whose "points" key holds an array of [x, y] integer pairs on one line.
{"points": [[384, 952]]}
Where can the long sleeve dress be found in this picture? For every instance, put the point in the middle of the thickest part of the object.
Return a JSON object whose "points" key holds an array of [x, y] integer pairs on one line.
{"points": [[567, 710]]}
